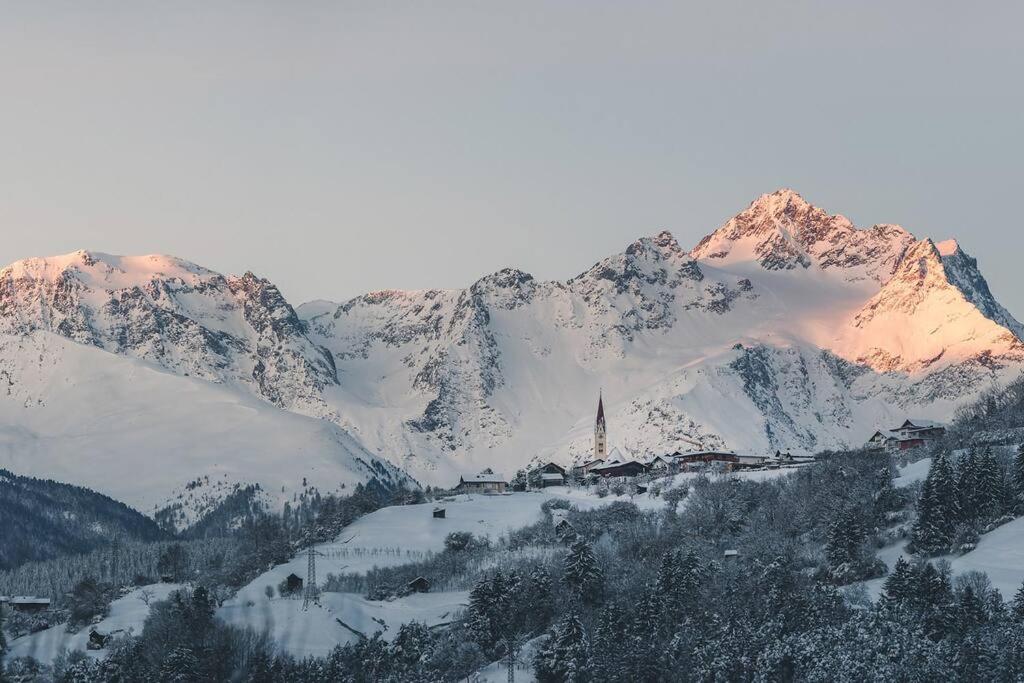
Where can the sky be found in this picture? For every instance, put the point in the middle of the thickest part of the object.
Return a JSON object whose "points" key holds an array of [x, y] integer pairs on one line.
{"points": [[338, 147]]}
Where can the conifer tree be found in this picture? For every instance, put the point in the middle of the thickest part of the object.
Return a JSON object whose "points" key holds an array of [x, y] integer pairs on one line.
{"points": [[968, 488], [582, 573], [1017, 605], [991, 487], [938, 510], [899, 586], [564, 657], [1018, 480]]}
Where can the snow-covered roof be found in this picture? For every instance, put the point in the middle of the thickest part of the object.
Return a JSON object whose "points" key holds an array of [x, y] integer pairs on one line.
{"points": [[551, 476], [689, 453], [615, 456], [28, 600], [613, 464], [919, 424], [484, 478]]}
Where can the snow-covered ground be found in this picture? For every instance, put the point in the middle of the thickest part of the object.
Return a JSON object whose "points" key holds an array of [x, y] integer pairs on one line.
{"points": [[316, 631], [127, 615], [913, 472]]}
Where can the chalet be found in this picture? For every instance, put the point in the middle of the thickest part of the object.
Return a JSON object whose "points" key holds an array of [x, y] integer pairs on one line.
{"points": [[584, 469], [439, 513], [660, 463], [293, 584], [551, 479], [910, 434], [485, 482], [750, 461], [618, 465], [26, 603], [418, 585], [552, 468]]}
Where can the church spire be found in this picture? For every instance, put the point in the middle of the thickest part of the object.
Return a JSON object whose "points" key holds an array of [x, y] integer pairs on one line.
{"points": [[600, 431]]}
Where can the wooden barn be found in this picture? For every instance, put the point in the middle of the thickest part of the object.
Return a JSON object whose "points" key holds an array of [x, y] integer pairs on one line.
{"points": [[485, 482], [418, 585], [293, 583]]}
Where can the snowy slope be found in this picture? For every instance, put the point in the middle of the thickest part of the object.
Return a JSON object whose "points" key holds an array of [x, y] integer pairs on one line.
{"points": [[140, 434], [127, 616]]}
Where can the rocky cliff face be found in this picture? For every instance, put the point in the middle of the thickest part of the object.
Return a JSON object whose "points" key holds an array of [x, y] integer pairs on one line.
{"points": [[180, 316], [787, 327]]}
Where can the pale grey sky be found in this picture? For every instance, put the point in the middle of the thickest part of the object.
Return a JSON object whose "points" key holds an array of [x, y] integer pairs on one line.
{"points": [[341, 147]]}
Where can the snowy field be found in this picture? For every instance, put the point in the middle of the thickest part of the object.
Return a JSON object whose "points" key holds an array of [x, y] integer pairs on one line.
{"points": [[127, 615]]}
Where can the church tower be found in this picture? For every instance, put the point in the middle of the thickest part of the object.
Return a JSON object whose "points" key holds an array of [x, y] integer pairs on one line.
{"points": [[600, 432]]}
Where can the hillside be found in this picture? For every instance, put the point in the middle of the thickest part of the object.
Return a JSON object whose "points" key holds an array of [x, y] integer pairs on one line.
{"points": [[151, 438], [54, 519]]}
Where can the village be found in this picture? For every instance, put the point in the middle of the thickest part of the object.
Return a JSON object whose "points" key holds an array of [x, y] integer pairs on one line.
{"points": [[610, 468]]}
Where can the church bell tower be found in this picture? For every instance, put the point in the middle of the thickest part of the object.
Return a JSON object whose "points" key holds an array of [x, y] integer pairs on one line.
{"points": [[600, 432]]}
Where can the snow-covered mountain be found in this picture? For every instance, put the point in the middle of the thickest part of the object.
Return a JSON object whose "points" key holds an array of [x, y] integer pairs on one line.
{"points": [[158, 382], [787, 327]]}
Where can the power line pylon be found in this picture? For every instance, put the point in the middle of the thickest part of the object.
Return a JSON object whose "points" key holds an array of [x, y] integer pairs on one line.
{"points": [[311, 592]]}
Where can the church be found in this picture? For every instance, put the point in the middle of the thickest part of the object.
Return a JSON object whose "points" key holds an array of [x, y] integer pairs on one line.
{"points": [[603, 464]]}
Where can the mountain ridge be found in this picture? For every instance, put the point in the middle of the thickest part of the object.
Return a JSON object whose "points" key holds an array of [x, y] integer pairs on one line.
{"points": [[802, 328]]}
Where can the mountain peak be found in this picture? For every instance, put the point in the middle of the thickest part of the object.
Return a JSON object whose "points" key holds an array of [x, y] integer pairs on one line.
{"points": [[780, 200]]}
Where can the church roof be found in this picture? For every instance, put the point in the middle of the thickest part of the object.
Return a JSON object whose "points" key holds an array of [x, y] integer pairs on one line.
{"points": [[600, 410]]}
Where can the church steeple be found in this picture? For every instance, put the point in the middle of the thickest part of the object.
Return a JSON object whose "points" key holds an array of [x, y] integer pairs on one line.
{"points": [[600, 431]]}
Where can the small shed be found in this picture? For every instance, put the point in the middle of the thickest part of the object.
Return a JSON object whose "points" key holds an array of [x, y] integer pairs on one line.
{"points": [[641, 489], [418, 585], [166, 578], [97, 640], [731, 554], [439, 513], [294, 583]]}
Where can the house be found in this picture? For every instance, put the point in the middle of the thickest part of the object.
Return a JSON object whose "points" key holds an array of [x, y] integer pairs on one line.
{"points": [[26, 603], [927, 430], [731, 554], [660, 463], [618, 465], [293, 584], [418, 585], [485, 482], [749, 461], [552, 468], [584, 469], [909, 434], [439, 513], [551, 479]]}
